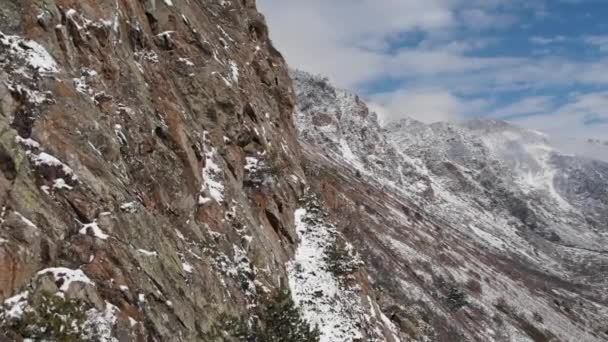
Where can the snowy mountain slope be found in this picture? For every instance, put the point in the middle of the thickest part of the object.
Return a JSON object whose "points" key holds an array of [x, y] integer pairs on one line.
{"points": [[341, 123], [328, 284], [513, 166], [471, 231]]}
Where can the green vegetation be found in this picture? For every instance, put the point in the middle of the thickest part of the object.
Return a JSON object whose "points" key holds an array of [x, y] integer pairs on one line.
{"points": [[284, 322], [341, 259], [278, 320], [49, 318], [456, 298]]}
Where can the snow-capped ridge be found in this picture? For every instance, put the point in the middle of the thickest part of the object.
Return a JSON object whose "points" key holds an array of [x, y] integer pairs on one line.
{"points": [[500, 199]]}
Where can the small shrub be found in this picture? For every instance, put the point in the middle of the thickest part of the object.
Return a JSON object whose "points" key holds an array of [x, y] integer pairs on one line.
{"points": [[341, 259], [229, 328], [276, 320], [283, 322], [456, 298], [51, 318]]}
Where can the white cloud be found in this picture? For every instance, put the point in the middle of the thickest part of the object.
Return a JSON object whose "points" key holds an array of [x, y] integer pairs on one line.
{"points": [[351, 44], [570, 115], [547, 40], [347, 41], [528, 106], [570, 120], [601, 42], [429, 51], [480, 19], [427, 105]]}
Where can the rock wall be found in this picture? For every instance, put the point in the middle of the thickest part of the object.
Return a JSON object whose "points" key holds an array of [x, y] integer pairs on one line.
{"points": [[151, 180], [149, 166]]}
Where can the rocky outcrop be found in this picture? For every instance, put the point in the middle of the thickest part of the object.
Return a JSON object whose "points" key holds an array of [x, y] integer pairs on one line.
{"points": [[151, 185], [125, 129], [149, 168], [347, 130]]}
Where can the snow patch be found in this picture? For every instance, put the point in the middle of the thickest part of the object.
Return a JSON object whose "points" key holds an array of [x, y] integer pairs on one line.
{"points": [[34, 54], [94, 229], [148, 253], [28, 143], [129, 207], [67, 276], [98, 325], [45, 159], [187, 267], [25, 220], [349, 156], [315, 289], [234, 71], [60, 184], [14, 307], [203, 200], [251, 164], [212, 178], [185, 61]]}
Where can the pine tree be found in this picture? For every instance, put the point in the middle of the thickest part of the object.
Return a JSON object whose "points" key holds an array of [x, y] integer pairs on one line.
{"points": [[283, 321]]}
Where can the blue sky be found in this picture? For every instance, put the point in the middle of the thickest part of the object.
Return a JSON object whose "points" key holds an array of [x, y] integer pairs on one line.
{"points": [[542, 64]]}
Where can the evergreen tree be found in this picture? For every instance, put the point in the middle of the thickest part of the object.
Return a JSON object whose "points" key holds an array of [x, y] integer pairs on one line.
{"points": [[284, 322]]}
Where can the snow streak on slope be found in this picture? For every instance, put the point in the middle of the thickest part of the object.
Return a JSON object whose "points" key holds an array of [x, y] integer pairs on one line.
{"points": [[329, 300], [526, 153], [499, 170], [314, 288]]}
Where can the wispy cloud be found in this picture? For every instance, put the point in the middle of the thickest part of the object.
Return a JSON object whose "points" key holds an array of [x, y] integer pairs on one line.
{"points": [[547, 40], [572, 124], [349, 41], [448, 59], [533, 105], [601, 42], [583, 115], [425, 104]]}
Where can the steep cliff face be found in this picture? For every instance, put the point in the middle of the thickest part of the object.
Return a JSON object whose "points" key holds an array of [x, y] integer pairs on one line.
{"points": [[472, 232], [149, 167], [151, 187]]}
